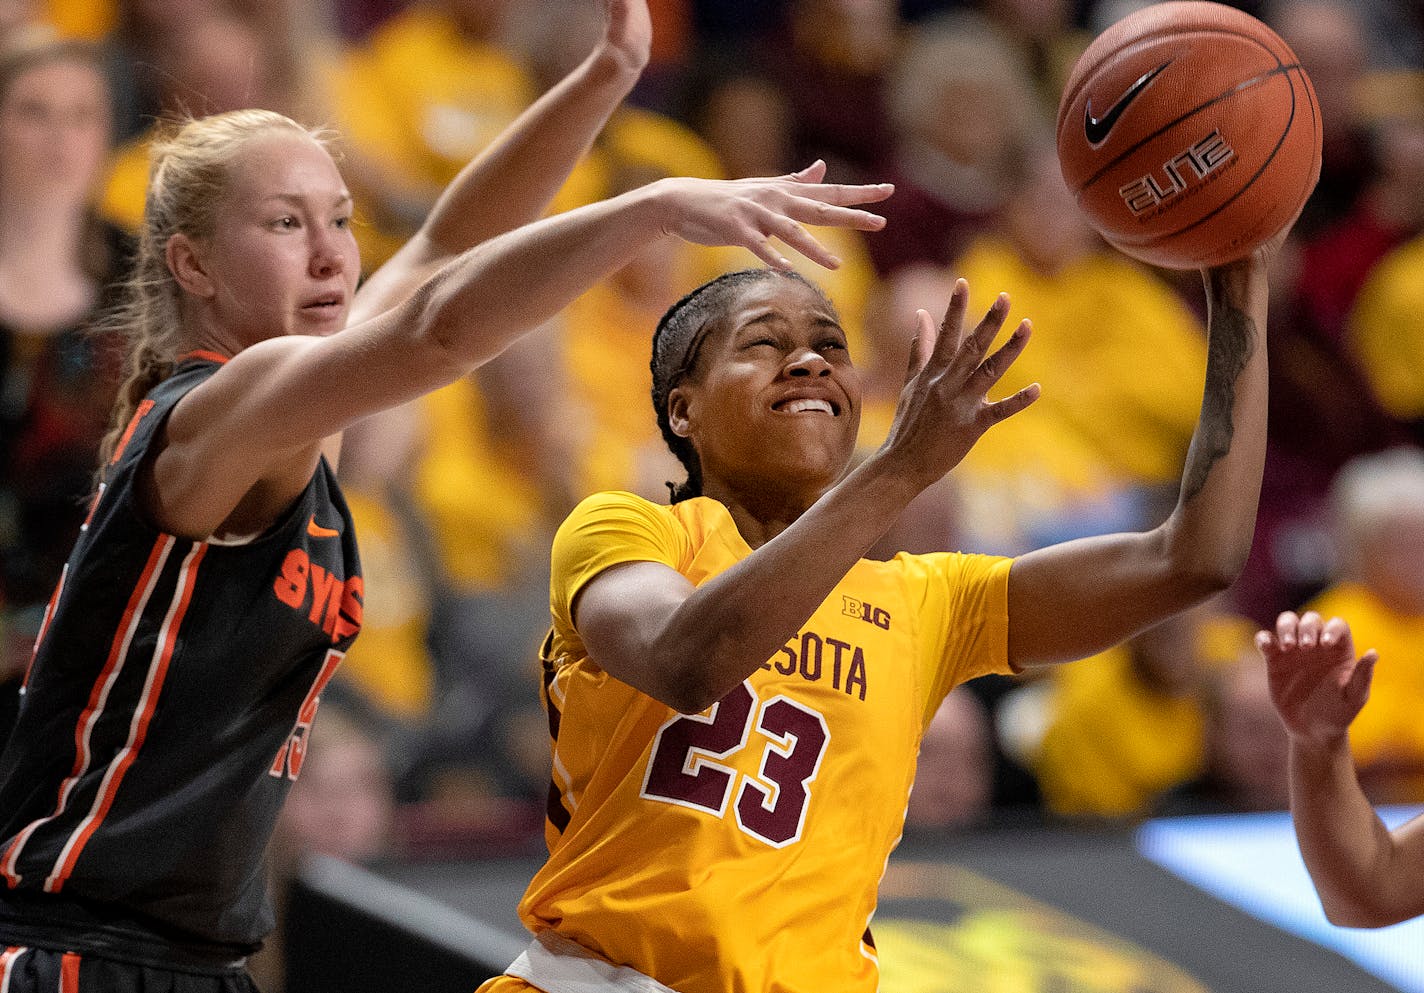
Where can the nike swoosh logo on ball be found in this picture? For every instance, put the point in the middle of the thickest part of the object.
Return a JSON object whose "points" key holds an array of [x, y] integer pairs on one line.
{"points": [[1097, 128]]}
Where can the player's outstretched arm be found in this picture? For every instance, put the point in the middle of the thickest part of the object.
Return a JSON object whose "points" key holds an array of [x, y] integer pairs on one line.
{"points": [[1077, 598], [687, 647], [257, 419], [511, 182], [1366, 875]]}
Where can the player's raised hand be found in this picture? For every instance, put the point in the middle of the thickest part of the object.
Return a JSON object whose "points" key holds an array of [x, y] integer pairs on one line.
{"points": [[944, 407], [1317, 683], [750, 212], [628, 32]]}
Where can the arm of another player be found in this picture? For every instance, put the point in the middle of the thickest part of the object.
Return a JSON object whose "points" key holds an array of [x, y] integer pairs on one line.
{"points": [[1071, 600], [688, 646], [1366, 875], [258, 419], [511, 182]]}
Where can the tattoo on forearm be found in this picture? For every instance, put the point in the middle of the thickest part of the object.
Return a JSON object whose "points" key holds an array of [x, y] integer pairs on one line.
{"points": [[1232, 340]]}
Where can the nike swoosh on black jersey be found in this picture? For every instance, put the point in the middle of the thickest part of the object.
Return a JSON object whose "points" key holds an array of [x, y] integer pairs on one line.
{"points": [[1097, 128]]}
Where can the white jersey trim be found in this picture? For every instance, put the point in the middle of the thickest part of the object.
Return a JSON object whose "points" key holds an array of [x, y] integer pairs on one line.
{"points": [[555, 964]]}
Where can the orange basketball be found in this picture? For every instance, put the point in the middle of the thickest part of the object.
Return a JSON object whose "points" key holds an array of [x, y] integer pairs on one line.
{"points": [[1189, 134]]}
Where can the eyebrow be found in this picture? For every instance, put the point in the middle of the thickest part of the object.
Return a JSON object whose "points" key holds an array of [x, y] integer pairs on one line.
{"points": [[298, 199], [821, 320]]}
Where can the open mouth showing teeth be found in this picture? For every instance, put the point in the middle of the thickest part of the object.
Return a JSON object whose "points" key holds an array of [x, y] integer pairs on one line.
{"points": [[324, 303], [803, 406]]}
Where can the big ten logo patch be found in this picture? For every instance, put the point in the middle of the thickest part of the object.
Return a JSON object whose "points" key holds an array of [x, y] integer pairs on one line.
{"points": [[869, 613], [335, 603]]}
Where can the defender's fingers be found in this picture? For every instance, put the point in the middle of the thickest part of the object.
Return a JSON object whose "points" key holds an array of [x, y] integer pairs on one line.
{"points": [[808, 210], [803, 241], [1335, 631], [1357, 690], [992, 369], [1307, 633], [842, 194], [813, 173], [1285, 628]]}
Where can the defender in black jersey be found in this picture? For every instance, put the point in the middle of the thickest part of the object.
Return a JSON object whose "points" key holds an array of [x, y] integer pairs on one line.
{"points": [[173, 835], [216, 584]]}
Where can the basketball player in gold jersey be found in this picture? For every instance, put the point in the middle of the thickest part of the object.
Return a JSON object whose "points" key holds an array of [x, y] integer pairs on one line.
{"points": [[736, 696]]}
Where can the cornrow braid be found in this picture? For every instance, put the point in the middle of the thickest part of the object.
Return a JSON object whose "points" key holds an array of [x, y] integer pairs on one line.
{"points": [[677, 344]]}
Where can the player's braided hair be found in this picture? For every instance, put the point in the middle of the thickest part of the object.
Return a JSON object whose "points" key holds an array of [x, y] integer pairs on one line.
{"points": [[189, 173], [677, 343]]}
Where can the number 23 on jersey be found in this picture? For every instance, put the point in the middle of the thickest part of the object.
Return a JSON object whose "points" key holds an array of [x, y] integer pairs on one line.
{"points": [[771, 806]]}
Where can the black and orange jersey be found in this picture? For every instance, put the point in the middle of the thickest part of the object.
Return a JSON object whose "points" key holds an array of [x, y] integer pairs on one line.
{"points": [[166, 714]]}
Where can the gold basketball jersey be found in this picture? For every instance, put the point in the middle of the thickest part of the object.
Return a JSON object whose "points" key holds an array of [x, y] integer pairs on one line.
{"points": [[739, 850]]}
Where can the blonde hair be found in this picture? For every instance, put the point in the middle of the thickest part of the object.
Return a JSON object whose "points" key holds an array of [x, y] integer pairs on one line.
{"points": [[190, 168]]}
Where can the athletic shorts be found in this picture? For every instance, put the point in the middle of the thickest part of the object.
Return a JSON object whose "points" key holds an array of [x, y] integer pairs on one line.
{"points": [[39, 970], [507, 984], [554, 964]]}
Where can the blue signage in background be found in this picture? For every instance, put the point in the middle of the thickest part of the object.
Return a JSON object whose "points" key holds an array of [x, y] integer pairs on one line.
{"points": [[1251, 862]]}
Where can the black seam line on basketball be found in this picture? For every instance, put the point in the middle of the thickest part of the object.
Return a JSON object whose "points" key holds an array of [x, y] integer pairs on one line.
{"points": [[1165, 32], [1244, 186], [1171, 124], [1095, 130]]}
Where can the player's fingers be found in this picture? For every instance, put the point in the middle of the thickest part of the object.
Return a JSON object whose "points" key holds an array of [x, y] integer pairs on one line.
{"points": [[992, 369], [1009, 406], [813, 173], [797, 237], [842, 194], [976, 343], [765, 249], [819, 213], [922, 347], [1357, 690], [1307, 633], [1266, 643], [1334, 631], [1285, 629], [952, 326]]}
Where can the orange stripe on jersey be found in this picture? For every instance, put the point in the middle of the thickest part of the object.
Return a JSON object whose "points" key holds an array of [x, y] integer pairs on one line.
{"points": [[8, 958], [84, 727], [138, 729], [205, 355], [44, 624], [143, 408], [69, 973]]}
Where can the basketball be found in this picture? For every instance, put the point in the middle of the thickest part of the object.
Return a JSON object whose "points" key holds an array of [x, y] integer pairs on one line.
{"points": [[1189, 134]]}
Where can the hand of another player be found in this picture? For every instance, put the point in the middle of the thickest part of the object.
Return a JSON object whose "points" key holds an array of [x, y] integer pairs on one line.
{"points": [[1317, 683], [750, 212], [944, 407], [628, 32]]}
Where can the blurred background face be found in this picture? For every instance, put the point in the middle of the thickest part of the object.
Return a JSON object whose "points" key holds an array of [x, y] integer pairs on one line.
{"points": [[341, 805], [1392, 560], [1044, 220], [955, 773], [747, 121], [1248, 742], [1329, 42], [54, 130]]}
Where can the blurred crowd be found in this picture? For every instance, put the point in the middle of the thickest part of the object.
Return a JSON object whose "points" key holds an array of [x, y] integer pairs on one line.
{"points": [[456, 498]]}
